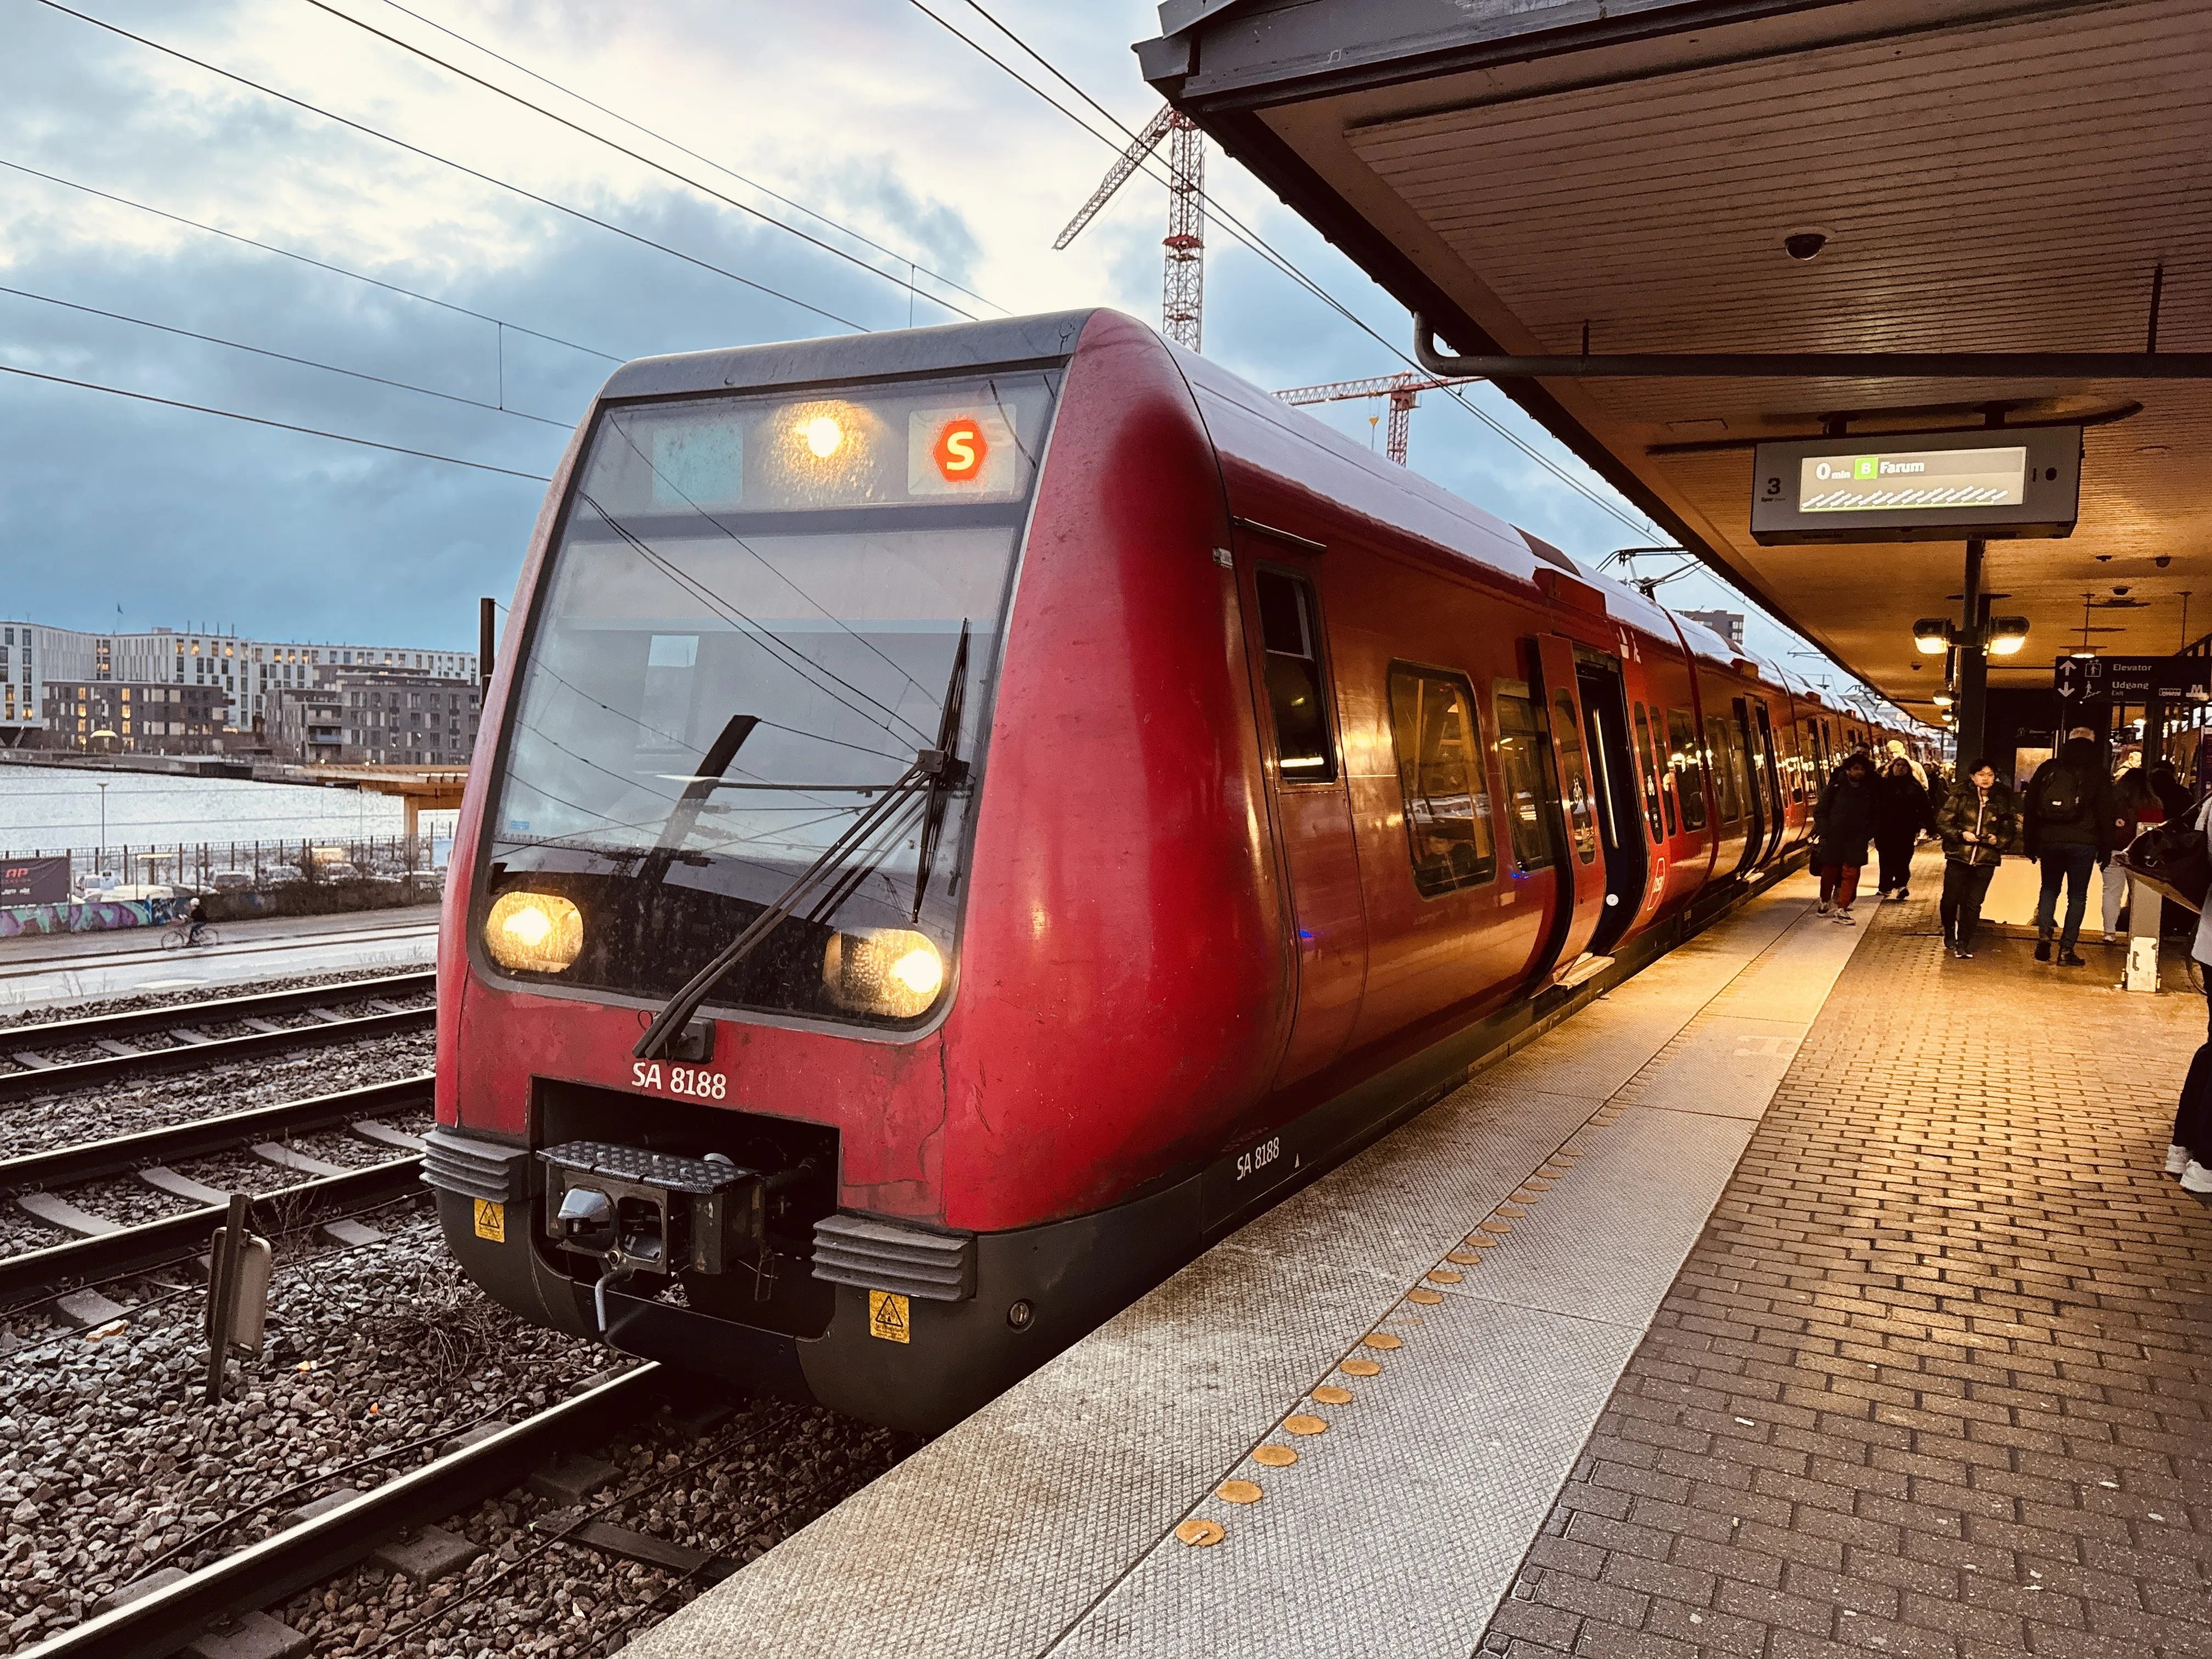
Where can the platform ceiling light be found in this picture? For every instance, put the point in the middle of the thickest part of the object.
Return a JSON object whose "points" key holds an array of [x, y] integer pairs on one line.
{"points": [[1944, 700], [1931, 636], [2007, 635]]}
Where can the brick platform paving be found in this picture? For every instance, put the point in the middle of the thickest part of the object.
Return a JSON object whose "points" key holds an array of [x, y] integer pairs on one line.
{"points": [[1937, 1380]]}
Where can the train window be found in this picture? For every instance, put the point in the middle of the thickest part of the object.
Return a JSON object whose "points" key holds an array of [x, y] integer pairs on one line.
{"points": [[1295, 689], [1687, 761], [1650, 773], [760, 609], [1521, 759], [1440, 775], [1721, 757], [1574, 771]]}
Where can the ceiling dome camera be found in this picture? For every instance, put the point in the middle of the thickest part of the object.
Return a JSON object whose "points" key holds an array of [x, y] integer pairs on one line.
{"points": [[1804, 243]]}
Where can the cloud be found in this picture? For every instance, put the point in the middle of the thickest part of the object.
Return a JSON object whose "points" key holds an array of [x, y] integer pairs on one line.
{"points": [[873, 116]]}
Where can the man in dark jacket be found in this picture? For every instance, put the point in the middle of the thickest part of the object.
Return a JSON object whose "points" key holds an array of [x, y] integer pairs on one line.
{"points": [[2067, 828]]}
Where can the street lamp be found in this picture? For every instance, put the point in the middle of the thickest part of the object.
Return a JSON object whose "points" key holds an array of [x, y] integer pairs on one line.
{"points": [[103, 827]]}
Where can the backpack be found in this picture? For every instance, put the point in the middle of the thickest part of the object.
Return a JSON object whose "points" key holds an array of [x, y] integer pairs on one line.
{"points": [[2058, 797]]}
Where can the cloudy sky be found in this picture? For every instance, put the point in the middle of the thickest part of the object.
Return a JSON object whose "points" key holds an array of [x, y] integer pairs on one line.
{"points": [[863, 123]]}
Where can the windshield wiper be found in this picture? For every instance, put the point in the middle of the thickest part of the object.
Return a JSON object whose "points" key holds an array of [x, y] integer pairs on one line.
{"points": [[684, 815], [915, 794]]}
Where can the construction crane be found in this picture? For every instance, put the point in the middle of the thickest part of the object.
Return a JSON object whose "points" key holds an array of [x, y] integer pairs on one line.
{"points": [[1403, 390], [1182, 286]]}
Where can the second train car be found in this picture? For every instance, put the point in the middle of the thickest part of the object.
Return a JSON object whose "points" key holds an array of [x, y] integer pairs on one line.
{"points": [[970, 816]]}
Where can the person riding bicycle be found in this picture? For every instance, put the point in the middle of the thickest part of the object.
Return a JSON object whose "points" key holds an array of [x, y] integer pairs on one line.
{"points": [[196, 919]]}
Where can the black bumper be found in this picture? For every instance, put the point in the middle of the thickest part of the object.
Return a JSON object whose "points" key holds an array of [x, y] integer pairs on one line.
{"points": [[1074, 1275]]}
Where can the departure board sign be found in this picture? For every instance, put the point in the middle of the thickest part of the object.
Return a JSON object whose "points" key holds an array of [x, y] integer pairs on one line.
{"points": [[1990, 482]]}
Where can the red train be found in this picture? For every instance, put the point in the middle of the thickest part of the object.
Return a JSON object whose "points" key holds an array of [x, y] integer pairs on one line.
{"points": [[973, 815]]}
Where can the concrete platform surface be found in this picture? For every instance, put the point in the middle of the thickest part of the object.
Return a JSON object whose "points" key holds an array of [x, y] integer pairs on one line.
{"points": [[1341, 1431]]}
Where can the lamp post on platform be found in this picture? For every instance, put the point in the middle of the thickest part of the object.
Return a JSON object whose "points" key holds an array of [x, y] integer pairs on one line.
{"points": [[102, 787]]}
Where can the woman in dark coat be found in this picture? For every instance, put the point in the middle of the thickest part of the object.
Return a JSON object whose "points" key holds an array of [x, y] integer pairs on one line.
{"points": [[1902, 814], [1843, 825]]}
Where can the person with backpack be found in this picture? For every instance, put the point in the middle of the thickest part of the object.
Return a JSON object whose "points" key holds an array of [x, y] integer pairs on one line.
{"points": [[1902, 815], [2138, 808], [2068, 828], [2190, 1156], [1843, 825], [1979, 819]]}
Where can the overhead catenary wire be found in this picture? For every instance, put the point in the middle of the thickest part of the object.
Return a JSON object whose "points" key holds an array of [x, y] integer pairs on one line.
{"points": [[1256, 243], [511, 326], [347, 122], [260, 420], [284, 356], [907, 260]]}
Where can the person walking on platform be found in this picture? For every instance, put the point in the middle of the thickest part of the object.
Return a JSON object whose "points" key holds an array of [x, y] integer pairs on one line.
{"points": [[2137, 805], [1978, 821], [2166, 784], [1843, 824], [1902, 815], [2068, 830], [2190, 1157]]}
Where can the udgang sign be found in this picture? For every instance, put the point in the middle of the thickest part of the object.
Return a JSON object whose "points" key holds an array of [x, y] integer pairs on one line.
{"points": [[2131, 679]]}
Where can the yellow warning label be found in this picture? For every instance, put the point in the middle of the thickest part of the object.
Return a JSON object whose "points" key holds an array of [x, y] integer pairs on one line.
{"points": [[491, 1221], [887, 1315]]}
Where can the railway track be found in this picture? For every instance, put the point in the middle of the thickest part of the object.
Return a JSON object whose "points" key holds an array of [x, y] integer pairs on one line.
{"points": [[185, 1045], [164, 1618], [105, 1250]]}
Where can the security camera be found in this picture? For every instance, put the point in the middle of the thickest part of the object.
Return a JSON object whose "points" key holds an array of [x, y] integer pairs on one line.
{"points": [[2163, 560], [2120, 593], [1804, 243]]}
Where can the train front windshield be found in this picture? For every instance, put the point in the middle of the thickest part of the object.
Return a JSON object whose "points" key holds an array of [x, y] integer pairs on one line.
{"points": [[748, 629]]}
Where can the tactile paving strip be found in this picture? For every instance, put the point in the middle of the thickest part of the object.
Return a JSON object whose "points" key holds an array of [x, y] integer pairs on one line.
{"points": [[1049, 1520]]}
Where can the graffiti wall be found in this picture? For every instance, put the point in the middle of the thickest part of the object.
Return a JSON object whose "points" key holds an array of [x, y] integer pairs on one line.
{"points": [[88, 917]]}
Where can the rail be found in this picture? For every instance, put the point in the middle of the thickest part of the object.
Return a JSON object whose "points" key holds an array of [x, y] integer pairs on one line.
{"points": [[64, 1033], [215, 1051]]}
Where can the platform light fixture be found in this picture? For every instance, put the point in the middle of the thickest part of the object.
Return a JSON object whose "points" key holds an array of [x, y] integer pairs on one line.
{"points": [[2007, 635], [1944, 700], [1931, 636]]}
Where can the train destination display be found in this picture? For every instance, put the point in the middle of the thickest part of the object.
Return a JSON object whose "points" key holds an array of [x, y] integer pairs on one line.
{"points": [[1989, 481]]}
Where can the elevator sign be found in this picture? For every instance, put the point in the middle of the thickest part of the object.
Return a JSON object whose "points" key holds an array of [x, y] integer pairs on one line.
{"points": [[1928, 487]]}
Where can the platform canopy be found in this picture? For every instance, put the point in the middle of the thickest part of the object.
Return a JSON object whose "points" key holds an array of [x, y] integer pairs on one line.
{"points": [[1568, 177]]}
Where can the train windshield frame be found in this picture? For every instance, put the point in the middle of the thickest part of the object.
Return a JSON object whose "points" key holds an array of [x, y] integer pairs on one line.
{"points": [[751, 621]]}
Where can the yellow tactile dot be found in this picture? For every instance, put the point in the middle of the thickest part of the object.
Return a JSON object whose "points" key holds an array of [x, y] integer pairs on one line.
{"points": [[1301, 1423], [1465, 1258], [1425, 1298], [1200, 1534], [1537, 1184], [1382, 1340], [1329, 1395], [1494, 1225], [1482, 1239], [1523, 1195], [1511, 1210], [1445, 1275], [1360, 1368], [1238, 1491], [1274, 1457]]}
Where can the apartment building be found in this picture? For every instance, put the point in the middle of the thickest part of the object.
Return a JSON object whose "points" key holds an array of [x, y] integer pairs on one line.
{"points": [[379, 717], [250, 673], [107, 716]]}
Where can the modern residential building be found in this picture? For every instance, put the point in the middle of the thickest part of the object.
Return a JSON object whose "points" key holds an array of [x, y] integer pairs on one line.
{"points": [[378, 716], [111, 716], [249, 673]]}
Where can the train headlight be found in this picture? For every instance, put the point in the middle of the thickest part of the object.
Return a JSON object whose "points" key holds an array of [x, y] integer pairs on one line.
{"points": [[883, 970], [534, 933]]}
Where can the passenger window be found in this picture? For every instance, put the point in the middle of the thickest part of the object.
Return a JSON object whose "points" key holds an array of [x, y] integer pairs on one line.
{"points": [[1292, 644], [1720, 755], [1520, 765], [1582, 816], [1650, 773], [1686, 762], [1440, 775]]}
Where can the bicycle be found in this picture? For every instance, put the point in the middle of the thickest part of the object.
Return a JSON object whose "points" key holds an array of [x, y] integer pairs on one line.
{"points": [[180, 937]]}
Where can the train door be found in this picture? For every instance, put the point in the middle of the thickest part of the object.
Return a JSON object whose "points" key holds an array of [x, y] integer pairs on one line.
{"points": [[1766, 775], [1620, 814], [1743, 761], [1582, 894], [1313, 811]]}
